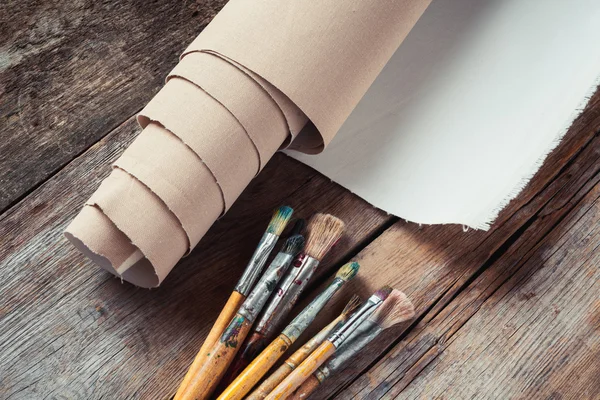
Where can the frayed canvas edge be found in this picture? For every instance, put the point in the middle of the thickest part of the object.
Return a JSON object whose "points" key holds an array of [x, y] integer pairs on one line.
{"points": [[490, 216]]}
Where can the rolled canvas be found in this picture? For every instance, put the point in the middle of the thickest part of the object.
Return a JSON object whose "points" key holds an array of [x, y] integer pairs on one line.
{"points": [[261, 76]]}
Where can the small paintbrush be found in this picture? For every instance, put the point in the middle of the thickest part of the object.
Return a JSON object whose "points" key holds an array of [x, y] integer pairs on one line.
{"points": [[222, 352], [278, 222], [329, 346], [300, 355], [323, 231], [395, 309], [269, 356]]}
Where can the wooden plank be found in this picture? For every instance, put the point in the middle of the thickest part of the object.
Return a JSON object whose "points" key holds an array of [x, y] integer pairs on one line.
{"points": [[70, 72], [434, 264], [70, 330], [534, 336]]}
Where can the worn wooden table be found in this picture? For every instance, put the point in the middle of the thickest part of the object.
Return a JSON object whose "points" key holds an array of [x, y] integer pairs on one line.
{"points": [[509, 313]]}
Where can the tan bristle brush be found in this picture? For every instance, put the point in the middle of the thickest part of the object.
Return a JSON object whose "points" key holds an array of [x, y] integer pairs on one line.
{"points": [[323, 231], [395, 309], [269, 356], [329, 346], [300, 355], [278, 222]]}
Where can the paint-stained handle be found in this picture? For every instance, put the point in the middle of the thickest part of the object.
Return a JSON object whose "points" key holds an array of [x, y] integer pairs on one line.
{"points": [[294, 360], [228, 312], [271, 382], [251, 348], [256, 370], [219, 357], [302, 372], [306, 389]]}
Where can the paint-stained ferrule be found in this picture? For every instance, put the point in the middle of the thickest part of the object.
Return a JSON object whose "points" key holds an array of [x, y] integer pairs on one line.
{"points": [[358, 340], [307, 316], [286, 294], [340, 335], [256, 263], [265, 286]]}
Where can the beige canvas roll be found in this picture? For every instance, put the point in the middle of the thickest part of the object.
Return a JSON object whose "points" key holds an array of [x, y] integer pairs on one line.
{"points": [[309, 62], [224, 82], [171, 170]]}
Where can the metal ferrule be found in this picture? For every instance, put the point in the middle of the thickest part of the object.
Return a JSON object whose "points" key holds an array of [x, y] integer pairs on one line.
{"points": [[359, 339], [256, 263], [339, 336], [307, 316], [286, 294], [265, 286]]}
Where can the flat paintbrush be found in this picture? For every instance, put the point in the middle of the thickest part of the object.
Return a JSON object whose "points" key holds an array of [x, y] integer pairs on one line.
{"points": [[300, 355], [395, 309], [222, 352], [278, 222], [269, 356], [328, 347], [323, 231]]}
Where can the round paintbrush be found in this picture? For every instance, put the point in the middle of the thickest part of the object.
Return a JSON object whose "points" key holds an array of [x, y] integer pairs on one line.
{"points": [[220, 355], [395, 309], [269, 356], [323, 231], [300, 355], [278, 222], [329, 346]]}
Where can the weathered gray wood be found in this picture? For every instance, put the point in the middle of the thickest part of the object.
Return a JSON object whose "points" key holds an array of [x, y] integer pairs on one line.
{"points": [[533, 337], [71, 71], [70, 330]]}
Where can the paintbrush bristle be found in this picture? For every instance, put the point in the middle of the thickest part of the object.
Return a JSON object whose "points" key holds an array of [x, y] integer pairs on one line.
{"points": [[351, 306], [293, 245], [348, 271], [383, 293], [280, 219], [324, 230], [395, 309]]}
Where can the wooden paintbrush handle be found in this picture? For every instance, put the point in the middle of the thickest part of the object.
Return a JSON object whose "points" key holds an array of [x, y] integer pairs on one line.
{"points": [[256, 370], [231, 308], [271, 382], [302, 372], [306, 389], [293, 361], [251, 348]]}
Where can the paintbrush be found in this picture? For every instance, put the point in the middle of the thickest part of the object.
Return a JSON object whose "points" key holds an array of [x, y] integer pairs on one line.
{"points": [[323, 231], [329, 346], [265, 361], [278, 222], [221, 354], [395, 309], [300, 355]]}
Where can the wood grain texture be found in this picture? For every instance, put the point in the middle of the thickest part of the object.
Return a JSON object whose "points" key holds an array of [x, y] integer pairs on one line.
{"points": [[71, 330], [71, 71], [534, 332]]}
